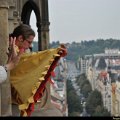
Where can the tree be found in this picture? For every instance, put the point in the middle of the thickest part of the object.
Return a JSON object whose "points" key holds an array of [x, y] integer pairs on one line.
{"points": [[102, 63], [74, 114], [94, 99], [101, 111], [73, 100], [86, 90]]}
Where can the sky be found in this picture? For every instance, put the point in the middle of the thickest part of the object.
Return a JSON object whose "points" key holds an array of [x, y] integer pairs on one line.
{"points": [[76, 20]]}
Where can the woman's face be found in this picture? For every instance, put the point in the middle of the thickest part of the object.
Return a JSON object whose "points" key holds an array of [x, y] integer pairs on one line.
{"points": [[25, 44]]}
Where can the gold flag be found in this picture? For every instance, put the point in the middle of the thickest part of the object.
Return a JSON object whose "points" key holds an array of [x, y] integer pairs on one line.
{"points": [[28, 75]]}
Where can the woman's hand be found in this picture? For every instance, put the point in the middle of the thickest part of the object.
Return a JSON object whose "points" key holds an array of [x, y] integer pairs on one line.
{"points": [[13, 55]]}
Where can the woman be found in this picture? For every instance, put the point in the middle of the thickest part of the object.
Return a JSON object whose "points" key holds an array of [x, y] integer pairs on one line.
{"points": [[20, 40], [30, 71]]}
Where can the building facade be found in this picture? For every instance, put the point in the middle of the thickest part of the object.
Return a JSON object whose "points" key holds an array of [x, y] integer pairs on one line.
{"points": [[103, 71]]}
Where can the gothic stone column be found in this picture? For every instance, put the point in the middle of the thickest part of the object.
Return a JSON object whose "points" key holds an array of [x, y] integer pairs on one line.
{"points": [[5, 92]]}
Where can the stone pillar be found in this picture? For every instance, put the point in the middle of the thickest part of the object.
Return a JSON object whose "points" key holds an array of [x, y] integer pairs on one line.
{"points": [[43, 34], [5, 92]]}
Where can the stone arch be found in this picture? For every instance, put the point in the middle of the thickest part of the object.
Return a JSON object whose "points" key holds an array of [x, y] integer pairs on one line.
{"points": [[25, 17], [26, 12]]}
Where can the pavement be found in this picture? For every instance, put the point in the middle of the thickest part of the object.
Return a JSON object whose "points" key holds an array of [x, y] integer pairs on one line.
{"points": [[51, 111]]}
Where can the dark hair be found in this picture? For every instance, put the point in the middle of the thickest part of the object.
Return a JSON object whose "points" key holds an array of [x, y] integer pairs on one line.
{"points": [[24, 30]]}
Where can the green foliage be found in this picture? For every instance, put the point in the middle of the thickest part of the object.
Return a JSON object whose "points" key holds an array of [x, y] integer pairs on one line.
{"points": [[101, 111], [106, 113], [80, 79], [89, 47], [102, 63], [93, 101], [84, 47], [73, 101], [54, 44], [74, 114], [86, 89], [84, 85]]}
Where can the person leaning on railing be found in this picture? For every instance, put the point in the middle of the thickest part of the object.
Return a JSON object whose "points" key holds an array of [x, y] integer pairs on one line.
{"points": [[19, 41]]}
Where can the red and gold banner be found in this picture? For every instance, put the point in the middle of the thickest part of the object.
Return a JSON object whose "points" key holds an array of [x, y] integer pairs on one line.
{"points": [[29, 78]]}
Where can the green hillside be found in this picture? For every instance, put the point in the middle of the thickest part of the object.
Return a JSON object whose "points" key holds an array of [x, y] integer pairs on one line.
{"points": [[82, 48]]}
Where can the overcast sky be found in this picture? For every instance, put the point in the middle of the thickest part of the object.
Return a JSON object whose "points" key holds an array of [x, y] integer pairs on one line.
{"points": [[76, 20]]}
